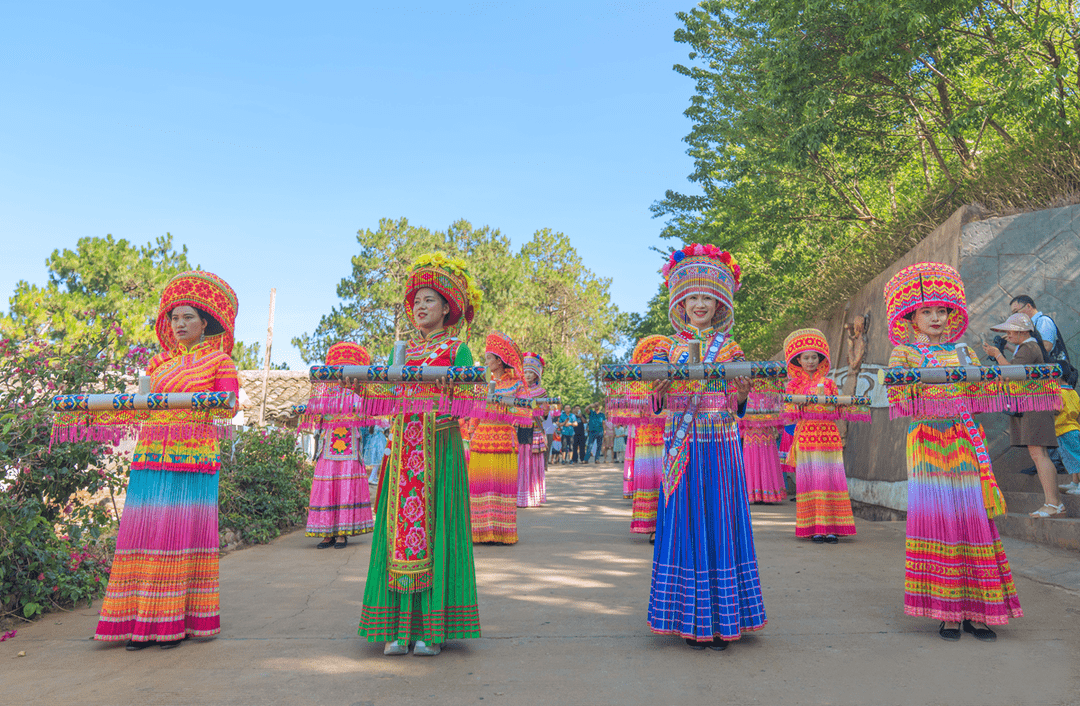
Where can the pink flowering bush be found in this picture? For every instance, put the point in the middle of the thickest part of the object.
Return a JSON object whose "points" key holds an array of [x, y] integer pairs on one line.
{"points": [[265, 484], [53, 553]]}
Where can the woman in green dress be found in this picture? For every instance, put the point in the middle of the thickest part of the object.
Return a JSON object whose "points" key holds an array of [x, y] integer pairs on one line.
{"points": [[421, 582]]}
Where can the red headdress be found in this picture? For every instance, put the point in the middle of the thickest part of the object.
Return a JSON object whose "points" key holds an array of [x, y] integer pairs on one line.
{"points": [[921, 285], [450, 278], [345, 353], [802, 341], [201, 290], [500, 344]]}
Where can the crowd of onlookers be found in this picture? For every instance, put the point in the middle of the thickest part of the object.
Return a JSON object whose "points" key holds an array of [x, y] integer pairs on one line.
{"points": [[575, 435]]}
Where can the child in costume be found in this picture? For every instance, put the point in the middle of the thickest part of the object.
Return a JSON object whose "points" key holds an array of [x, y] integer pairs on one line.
{"points": [[822, 504]]}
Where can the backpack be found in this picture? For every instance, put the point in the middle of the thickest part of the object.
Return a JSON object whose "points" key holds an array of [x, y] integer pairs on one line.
{"points": [[1059, 354]]}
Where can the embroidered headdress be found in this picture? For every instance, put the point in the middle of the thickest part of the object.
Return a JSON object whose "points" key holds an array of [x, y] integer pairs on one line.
{"points": [[500, 344], [450, 278], [921, 285], [345, 353], [802, 341], [701, 269], [201, 290], [533, 362], [647, 347]]}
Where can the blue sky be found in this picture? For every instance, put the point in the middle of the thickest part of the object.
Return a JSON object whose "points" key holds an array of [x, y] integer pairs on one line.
{"points": [[264, 135]]}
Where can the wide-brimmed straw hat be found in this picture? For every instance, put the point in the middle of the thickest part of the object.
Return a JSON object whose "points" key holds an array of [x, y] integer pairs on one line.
{"points": [[1016, 322]]}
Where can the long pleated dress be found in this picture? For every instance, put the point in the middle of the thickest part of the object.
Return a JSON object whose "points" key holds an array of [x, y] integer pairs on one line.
{"points": [[532, 486], [340, 503], [955, 566], [760, 429], [421, 580], [822, 503], [163, 584], [628, 462], [493, 475], [648, 470], [705, 581]]}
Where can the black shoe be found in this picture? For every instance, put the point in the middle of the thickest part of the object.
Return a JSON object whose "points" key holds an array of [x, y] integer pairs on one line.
{"points": [[718, 644], [327, 542], [818, 539], [950, 634], [695, 645], [341, 542], [832, 539], [172, 643], [652, 538], [984, 634], [133, 646]]}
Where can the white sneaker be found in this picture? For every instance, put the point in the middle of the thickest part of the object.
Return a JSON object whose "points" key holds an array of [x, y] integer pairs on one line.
{"points": [[396, 648], [423, 650], [1074, 491], [1069, 487]]}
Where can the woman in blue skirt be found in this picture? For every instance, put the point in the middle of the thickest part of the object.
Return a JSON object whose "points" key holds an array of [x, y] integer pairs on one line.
{"points": [[705, 586]]}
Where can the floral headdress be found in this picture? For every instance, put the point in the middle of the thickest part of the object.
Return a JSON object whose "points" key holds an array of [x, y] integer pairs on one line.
{"points": [[922, 285], [201, 290], [702, 269], [802, 341], [451, 279], [533, 362], [500, 344]]}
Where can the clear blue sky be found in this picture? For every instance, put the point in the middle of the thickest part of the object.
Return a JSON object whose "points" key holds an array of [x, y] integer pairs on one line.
{"points": [[264, 135]]}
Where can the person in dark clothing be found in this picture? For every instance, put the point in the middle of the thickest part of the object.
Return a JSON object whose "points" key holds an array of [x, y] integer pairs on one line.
{"points": [[579, 436]]}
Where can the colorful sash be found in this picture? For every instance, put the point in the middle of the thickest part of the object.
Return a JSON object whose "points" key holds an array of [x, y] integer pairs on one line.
{"points": [[993, 500], [678, 454]]}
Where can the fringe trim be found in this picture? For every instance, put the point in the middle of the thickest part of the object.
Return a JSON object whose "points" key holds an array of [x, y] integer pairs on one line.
{"points": [[72, 427], [950, 400]]}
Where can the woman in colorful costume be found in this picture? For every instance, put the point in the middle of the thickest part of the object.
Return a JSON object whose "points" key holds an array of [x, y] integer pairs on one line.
{"points": [[648, 449], [956, 569], [421, 581], [532, 490], [163, 585], [493, 458], [822, 504], [705, 585], [760, 431], [340, 503]]}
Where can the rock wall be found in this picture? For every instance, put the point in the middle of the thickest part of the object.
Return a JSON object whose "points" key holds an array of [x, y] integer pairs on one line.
{"points": [[1037, 254]]}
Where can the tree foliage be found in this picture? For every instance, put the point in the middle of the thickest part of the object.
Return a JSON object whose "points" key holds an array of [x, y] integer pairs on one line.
{"points": [[542, 296], [101, 279], [827, 136]]}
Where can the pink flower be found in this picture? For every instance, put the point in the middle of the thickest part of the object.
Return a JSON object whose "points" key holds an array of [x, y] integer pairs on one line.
{"points": [[41, 577], [8, 635], [413, 433], [416, 539], [413, 508]]}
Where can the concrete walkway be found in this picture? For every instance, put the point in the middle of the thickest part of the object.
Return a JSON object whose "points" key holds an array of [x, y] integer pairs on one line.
{"points": [[563, 615]]}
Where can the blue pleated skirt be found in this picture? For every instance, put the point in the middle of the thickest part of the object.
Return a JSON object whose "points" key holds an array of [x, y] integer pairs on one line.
{"points": [[705, 582]]}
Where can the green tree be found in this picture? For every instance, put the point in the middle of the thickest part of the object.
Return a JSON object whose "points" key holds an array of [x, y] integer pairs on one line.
{"points": [[102, 279], [828, 136], [541, 296]]}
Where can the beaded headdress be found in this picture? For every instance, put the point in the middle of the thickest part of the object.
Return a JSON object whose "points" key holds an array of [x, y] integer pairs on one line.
{"points": [[201, 290], [921, 285], [533, 362], [450, 278], [500, 344], [346, 353], [701, 269], [802, 341], [647, 347]]}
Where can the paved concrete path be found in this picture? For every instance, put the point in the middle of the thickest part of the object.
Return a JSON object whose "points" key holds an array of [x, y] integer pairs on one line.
{"points": [[563, 615]]}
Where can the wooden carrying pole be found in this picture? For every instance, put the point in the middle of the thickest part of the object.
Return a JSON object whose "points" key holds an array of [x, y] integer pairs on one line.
{"points": [[266, 364]]}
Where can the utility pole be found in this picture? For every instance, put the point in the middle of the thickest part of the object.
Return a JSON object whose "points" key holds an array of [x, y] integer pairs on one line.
{"points": [[266, 364]]}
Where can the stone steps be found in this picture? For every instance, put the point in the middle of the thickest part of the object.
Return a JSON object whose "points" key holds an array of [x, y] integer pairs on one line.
{"points": [[1061, 532], [1023, 503]]}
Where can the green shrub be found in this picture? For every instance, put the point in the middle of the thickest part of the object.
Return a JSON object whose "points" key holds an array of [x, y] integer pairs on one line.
{"points": [[265, 484]]}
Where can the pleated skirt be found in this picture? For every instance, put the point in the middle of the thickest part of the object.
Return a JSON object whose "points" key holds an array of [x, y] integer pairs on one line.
{"points": [[628, 468], [822, 503], [955, 566], [705, 581], [648, 470], [531, 488], [448, 610], [493, 484], [340, 503], [163, 584], [761, 458]]}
